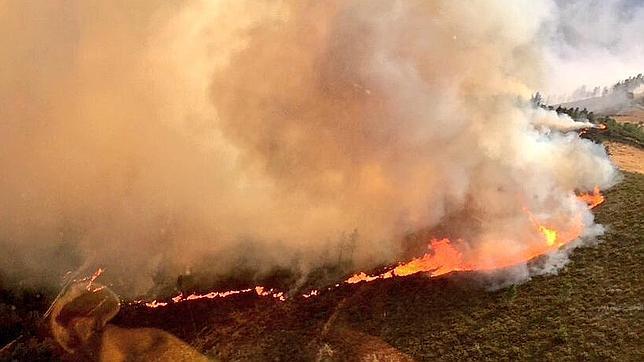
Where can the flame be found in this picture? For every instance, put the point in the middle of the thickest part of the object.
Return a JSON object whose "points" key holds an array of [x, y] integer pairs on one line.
{"points": [[91, 280], [593, 199], [443, 257], [155, 304], [310, 294], [550, 235], [599, 127]]}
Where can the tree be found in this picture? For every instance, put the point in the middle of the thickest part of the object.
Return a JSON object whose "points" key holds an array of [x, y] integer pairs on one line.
{"points": [[537, 99]]}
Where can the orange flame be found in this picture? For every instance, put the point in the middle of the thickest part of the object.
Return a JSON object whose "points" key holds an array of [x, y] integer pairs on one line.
{"points": [[444, 257], [593, 199], [91, 280], [599, 126]]}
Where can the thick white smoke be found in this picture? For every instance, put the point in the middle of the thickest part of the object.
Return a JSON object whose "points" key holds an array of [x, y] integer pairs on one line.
{"points": [[152, 136]]}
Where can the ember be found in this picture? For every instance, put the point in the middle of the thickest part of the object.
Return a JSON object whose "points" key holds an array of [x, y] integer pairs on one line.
{"points": [[442, 258]]}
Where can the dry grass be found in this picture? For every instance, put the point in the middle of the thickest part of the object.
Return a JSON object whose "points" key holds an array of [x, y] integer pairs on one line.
{"points": [[591, 310], [626, 157], [635, 116]]}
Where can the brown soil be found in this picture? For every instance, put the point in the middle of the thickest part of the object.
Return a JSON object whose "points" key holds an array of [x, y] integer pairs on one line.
{"points": [[635, 116], [627, 158]]}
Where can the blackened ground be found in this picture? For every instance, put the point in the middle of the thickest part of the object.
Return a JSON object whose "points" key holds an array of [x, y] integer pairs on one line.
{"points": [[593, 309]]}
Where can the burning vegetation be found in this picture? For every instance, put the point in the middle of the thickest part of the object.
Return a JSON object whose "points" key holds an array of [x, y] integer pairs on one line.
{"points": [[262, 136], [443, 257], [380, 140]]}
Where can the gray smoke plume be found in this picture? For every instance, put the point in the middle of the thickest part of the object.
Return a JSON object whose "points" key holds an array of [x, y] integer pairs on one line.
{"points": [[150, 135]]}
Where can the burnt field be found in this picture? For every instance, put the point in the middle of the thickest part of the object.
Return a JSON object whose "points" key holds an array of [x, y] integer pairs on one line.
{"points": [[592, 309], [338, 180]]}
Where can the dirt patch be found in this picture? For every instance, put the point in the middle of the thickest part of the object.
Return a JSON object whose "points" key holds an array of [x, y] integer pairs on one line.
{"points": [[635, 116], [626, 157]]}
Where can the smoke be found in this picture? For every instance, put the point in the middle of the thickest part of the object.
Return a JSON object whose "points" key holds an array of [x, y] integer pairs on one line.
{"points": [[546, 120], [153, 136], [592, 42]]}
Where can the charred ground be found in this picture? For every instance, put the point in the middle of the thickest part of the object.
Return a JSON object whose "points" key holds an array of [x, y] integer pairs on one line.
{"points": [[592, 309]]}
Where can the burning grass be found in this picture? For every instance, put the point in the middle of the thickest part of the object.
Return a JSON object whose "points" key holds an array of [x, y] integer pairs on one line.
{"points": [[442, 257], [591, 310], [626, 133]]}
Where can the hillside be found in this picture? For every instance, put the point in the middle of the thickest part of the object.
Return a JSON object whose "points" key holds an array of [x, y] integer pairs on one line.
{"points": [[625, 96], [634, 116], [591, 310], [610, 104]]}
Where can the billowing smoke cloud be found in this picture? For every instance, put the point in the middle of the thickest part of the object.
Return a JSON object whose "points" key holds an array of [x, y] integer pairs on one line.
{"points": [[546, 120], [153, 137]]}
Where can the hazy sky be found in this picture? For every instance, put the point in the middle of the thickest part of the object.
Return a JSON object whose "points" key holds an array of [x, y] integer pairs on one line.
{"points": [[593, 42]]}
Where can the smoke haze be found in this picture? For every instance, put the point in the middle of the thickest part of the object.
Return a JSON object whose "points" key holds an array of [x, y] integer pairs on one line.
{"points": [[150, 136], [582, 36]]}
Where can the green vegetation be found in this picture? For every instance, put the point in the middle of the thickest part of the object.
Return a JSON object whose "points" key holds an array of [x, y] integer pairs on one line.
{"points": [[577, 114], [592, 310], [628, 133]]}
